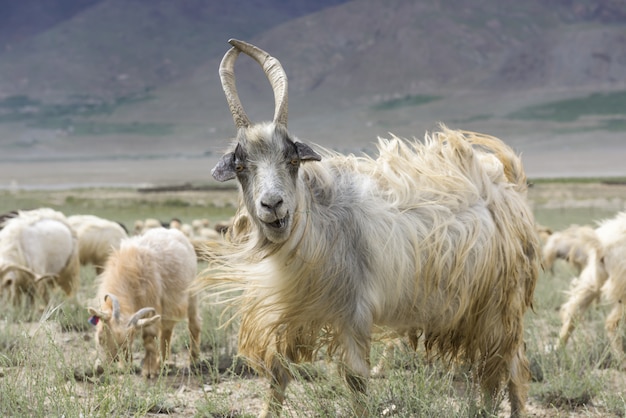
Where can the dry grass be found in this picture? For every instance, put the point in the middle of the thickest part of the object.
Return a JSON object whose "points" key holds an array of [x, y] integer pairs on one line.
{"points": [[46, 358]]}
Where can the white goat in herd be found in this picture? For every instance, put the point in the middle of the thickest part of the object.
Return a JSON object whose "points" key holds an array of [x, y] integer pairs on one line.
{"points": [[433, 239], [97, 238], [38, 248], [602, 276]]}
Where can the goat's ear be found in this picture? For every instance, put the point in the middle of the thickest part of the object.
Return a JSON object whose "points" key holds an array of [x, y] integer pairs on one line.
{"points": [[105, 316], [306, 153], [225, 168]]}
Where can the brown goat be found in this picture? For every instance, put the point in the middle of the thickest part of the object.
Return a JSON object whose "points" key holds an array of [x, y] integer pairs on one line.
{"points": [[149, 274]]}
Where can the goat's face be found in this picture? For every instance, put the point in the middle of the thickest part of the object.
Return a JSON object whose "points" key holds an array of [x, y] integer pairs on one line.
{"points": [[114, 339], [266, 162]]}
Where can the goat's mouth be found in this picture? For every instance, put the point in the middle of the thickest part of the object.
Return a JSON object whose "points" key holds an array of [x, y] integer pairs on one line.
{"points": [[279, 224]]}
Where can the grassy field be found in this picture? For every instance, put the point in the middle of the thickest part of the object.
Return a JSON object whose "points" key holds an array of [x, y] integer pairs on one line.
{"points": [[47, 357]]}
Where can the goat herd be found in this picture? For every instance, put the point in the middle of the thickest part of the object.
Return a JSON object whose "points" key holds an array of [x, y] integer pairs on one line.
{"points": [[433, 240], [145, 275]]}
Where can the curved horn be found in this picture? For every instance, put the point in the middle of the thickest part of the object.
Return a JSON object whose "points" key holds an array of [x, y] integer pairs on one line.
{"points": [[140, 314], [227, 76], [116, 305], [274, 73]]}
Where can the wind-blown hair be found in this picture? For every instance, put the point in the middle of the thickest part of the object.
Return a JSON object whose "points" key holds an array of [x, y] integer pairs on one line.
{"points": [[434, 237]]}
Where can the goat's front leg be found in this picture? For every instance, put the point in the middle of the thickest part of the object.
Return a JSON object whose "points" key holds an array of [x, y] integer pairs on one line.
{"points": [[151, 362], [279, 380], [356, 369], [167, 328]]}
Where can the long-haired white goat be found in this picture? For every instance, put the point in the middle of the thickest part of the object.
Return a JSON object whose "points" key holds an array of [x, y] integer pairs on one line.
{"points": [[36, 245], [149, 274], [433, 237], [604, 275]]}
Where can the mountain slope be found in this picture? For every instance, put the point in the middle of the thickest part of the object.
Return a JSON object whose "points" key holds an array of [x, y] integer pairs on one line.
{"points": [[118, 47], [138, 79]]}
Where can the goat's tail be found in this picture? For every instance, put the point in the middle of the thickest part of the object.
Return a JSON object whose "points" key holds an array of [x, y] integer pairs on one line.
{"points": [[495, 157], [511, 162], [512, 167]]}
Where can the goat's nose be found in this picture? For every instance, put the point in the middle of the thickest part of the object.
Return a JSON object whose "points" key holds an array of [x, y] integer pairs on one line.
{"points": [[272, 203]]}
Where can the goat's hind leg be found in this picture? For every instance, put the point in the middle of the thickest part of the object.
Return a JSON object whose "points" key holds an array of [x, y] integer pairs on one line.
{"points": [[516, 373], [579, 302], [518, 382], [195, 328], [615, 338]]}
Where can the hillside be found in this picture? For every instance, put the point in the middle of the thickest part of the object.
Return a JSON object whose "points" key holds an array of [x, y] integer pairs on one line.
{"points": [[115, 80], [112, 48]]}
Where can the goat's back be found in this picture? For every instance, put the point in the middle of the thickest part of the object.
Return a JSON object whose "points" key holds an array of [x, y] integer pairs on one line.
{"points": [[612, 236], [40, 240], [153, 269], [47, 246], [96, 237]]}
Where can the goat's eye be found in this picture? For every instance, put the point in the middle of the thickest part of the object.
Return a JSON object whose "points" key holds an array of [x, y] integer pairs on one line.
{"points": [[239, 168], [295, 162]]}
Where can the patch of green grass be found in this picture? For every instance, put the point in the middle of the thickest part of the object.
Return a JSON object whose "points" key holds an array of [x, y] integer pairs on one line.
{"points": [[76, 127], [124, 206], [176, 202], [578, 180], [569, 110], [615, 125], [475, 118], [406, 101], [24, 108], [72, 116]]}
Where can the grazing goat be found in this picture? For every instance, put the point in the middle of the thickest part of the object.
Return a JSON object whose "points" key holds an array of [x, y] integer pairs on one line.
{"points": [[604, 275], [434, 238], [186, 229], [97, 237], [149, 274], [569, 245], [35, 245], [142, 226]]}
